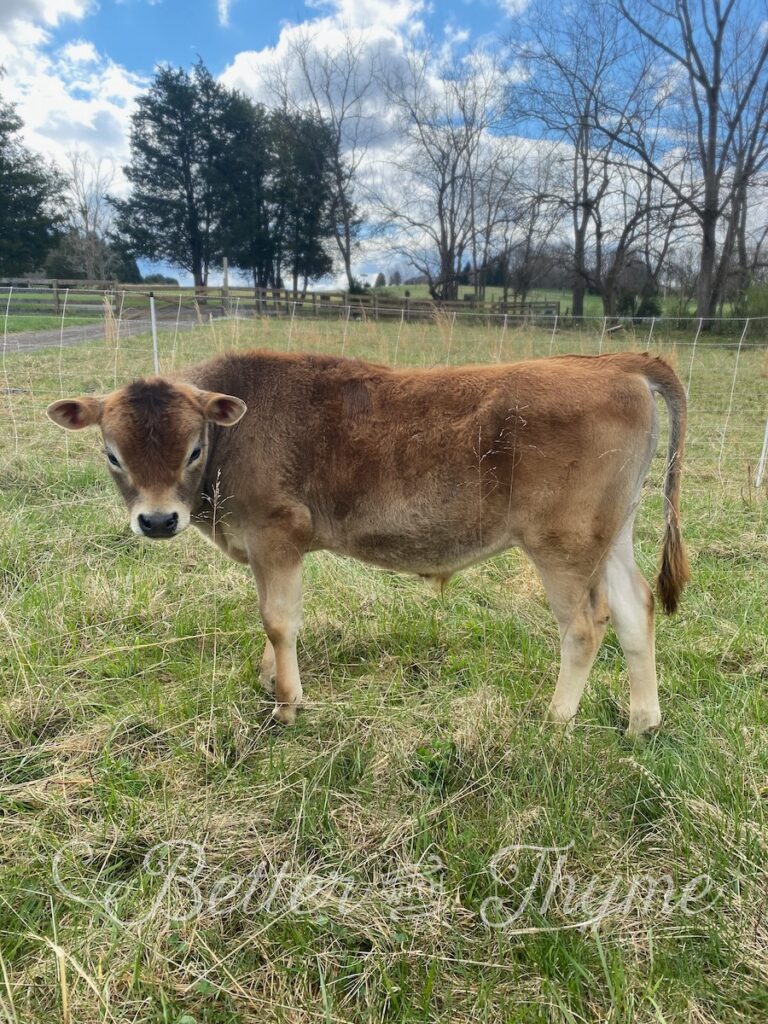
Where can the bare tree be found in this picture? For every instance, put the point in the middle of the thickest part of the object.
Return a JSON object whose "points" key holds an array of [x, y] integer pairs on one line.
{"points": [[90, 180], [705, 79], [431, 181], [525, 213], [567, 72], [494, 205], [337, 84]]}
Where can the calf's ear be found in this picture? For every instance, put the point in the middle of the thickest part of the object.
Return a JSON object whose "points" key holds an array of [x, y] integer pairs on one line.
{"points": [[76, 413], [225, 410]]}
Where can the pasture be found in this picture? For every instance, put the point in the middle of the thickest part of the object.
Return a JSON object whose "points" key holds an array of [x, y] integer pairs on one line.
{"points": [[421, 846]]}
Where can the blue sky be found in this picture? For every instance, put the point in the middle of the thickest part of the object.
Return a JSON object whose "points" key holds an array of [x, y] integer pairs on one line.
{"points": [[74, 68], [140, 33]]}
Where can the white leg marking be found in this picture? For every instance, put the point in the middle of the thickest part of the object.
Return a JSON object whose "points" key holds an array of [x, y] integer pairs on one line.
{"points": [[631, 605]]}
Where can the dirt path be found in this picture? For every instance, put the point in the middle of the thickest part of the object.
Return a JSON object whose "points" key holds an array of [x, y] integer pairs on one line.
{"points": [[29, 341]]}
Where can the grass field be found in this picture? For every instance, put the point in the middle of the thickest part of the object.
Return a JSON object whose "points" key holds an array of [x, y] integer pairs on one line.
{"points": [[16, 324], [83, 301], [166, 855], [593, 305]]}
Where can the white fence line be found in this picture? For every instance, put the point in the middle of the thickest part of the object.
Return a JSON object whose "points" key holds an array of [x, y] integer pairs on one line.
{"points": [[632, 330]]}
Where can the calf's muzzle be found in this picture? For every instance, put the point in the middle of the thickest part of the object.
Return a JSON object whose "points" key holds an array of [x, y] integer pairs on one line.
{"points": [[159, 524]]}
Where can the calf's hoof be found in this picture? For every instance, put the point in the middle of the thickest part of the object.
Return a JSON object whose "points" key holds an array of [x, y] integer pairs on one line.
{"points": [[641, 723], [564, 717], [285, 714]]}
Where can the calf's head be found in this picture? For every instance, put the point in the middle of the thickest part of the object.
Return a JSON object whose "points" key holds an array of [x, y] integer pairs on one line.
{"points": [[156, 436]]}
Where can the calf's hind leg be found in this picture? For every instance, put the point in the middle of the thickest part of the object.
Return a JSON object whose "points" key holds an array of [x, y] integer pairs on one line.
{"points": [[581, 610], [631, 604]]}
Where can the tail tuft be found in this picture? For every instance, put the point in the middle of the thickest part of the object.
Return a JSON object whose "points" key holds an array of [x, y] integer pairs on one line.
{"points": [[674, 572]]}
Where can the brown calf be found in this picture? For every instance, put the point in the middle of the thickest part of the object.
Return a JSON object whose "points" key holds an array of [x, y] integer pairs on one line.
{"points": [[425, 471]]}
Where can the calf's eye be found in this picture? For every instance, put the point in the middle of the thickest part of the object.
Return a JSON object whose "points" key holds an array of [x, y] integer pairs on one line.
{"points": [[113, 460], [194, 456]]}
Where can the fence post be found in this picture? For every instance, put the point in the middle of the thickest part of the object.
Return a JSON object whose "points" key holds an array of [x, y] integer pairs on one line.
{"points": [[693, 354], [554, 332], [763, 456], [503, 336], [225, 286], [155, 354], [730, 400], [399, 332], [290, 326]]}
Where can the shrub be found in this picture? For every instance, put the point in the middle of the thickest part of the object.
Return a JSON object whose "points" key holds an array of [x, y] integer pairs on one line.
{"points": [[756, 300], [649, 306], [159, 279], [625, 303]]}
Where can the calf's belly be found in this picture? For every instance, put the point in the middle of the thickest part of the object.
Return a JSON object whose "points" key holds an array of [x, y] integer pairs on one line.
{"points": [[426, 548]]}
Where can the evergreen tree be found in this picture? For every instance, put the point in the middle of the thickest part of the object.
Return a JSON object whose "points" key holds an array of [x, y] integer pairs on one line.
{"points": [[179, 135], [215, 175], [244, 176], [301, 195], [30, 208]]}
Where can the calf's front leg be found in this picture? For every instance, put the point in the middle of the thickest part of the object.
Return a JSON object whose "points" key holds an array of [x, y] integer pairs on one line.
{"points": [[279, 587], [267, 673]]}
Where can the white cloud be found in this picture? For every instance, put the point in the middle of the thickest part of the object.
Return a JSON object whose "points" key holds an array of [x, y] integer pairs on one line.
{"points": [[513, 8], [69, 97], [456, 36], [222, 7], [80, 52], [380, 26], [46, 12]]}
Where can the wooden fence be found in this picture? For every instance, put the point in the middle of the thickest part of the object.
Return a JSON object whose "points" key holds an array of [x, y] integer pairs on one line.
{"points": [[95, 298]]}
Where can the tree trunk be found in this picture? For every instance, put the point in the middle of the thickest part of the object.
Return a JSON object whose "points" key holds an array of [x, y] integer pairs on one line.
{"points": [[197, 271], [706, 297], [577, 298], [608, 297], [579, 284]]}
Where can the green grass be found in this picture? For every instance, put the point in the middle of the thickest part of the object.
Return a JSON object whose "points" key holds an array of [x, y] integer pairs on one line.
{"points": [[131, 717], [17, 323], [593, 305]]}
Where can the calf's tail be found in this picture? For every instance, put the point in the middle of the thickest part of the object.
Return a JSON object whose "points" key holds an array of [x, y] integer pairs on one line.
{"points": [[674, 572]]}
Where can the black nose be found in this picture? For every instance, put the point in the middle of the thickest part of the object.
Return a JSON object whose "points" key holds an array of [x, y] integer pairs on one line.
{"points": [[161, 524]]}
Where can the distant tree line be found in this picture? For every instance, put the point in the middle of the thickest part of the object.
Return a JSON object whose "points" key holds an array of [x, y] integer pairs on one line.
{"points": [[626, 148], [623, 153]]}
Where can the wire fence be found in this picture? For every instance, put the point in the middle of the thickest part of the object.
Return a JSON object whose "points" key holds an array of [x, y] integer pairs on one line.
{"points": [[725, 372], [128, 303]]}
